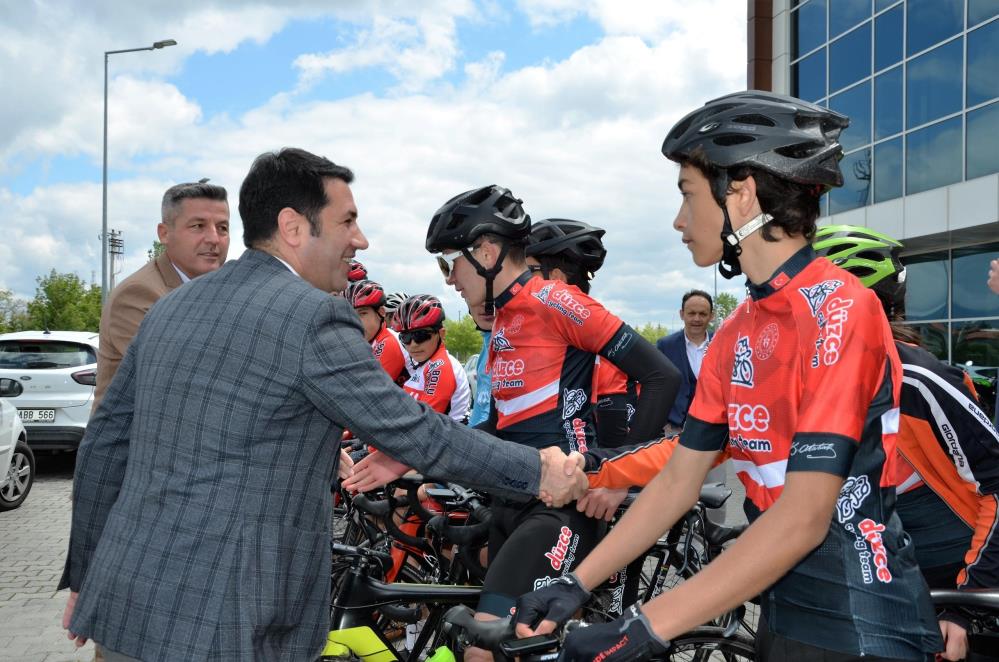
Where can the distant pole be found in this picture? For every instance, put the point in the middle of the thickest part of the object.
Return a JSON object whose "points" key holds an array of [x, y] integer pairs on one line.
{"points": [[104, 191]]}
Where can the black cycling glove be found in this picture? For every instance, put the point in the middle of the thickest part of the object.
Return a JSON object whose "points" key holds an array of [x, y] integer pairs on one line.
{"points": [[628, 639], [556, 602]]}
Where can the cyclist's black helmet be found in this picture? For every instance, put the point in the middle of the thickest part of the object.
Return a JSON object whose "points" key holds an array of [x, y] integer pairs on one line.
{"points": [[577, 242], [788, 137], [466, 217]]}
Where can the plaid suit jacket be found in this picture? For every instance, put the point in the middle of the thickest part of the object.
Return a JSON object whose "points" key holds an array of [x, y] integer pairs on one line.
{"points": [[201, 500]]}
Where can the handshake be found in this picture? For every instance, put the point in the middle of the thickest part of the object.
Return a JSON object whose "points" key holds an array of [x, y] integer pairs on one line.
{"points": [[562, 477]]}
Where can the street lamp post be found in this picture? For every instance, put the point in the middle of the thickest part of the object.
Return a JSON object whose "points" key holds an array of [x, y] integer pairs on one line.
{"points": [[104, 204]]}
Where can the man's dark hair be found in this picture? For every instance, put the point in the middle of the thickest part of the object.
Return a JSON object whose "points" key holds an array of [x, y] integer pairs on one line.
{"points": [[172, 198], [794, 207], [291, 178], [574, 275], [697, 293], [516, 250]]}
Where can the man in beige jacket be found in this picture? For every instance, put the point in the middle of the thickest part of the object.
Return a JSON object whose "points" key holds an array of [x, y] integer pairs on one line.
{"points": [[194, 231]]}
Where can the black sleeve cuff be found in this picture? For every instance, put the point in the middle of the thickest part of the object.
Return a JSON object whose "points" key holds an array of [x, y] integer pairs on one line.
{"points": [[828, 453], [701, 436]]}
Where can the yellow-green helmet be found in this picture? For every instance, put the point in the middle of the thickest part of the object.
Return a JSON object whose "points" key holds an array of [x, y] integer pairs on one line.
{"points": [[867, 254]]}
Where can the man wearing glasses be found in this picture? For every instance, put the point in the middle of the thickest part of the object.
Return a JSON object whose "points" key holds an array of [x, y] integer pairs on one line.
{"points": [[541, 356]]}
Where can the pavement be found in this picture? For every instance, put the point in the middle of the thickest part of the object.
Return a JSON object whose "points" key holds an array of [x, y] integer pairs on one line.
{"points": [[33, 543]]}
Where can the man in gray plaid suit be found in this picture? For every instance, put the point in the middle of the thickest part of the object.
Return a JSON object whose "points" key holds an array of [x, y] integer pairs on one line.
{"points": [[201, 501]]}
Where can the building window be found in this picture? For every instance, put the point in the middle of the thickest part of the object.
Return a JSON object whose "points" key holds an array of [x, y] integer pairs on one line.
{"points": [[971, 296], [850, 58], [983, 63], [932, 21], [934, 338], [808, 27], [932, 88], [888, 38], [975, 348], [845, 14], [855, 103], [888, 103], [927, 283], [808, 77], [888, 170], [856, 189], [933, 156], [981, 10], [983, 141]]}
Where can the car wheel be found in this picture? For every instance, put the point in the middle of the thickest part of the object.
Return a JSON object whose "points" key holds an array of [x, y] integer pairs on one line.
{"points": [[21, 474]]}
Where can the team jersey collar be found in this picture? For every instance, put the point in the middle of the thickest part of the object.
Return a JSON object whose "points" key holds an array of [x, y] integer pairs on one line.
{"points": [[515, 286], [783, 275]]}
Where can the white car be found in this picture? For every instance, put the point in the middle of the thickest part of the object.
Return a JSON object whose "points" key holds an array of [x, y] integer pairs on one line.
{"points": [[57, 371], [17, 462]]}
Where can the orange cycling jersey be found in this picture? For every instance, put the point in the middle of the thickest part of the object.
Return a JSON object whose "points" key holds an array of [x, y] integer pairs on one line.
{"points": [[541, 361], [390, 353], [440, 381]]}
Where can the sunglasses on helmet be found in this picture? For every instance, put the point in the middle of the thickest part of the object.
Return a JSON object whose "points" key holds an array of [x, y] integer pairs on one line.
{"points": [[418, 336]]}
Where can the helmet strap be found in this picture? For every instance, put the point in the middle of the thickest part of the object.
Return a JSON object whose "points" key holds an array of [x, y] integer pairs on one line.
{"points": [[729, 266], [488, 274]]}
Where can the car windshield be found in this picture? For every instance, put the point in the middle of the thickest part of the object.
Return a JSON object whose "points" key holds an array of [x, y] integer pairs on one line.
{"points": [[44, 354]]}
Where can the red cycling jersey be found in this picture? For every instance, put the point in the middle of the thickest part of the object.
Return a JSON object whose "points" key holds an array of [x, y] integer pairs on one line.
{"points": [[390, 352], [804, 376], [440, 381], [541, 361]]}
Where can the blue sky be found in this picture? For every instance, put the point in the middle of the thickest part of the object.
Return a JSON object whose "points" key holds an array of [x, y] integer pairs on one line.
{"points": [[563, 101]]}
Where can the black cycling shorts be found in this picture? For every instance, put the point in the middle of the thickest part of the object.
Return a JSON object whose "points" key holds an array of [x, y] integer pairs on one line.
{"points": [[529, 546]]}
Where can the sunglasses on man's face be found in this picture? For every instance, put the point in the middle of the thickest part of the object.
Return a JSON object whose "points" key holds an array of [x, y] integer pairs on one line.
{"points": [[446, 262], [419, 336]]}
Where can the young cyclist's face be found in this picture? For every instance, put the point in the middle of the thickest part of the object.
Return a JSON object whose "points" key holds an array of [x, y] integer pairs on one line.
{"points": [[466, 280], [370, 321], [421, 351], [699, 219]]}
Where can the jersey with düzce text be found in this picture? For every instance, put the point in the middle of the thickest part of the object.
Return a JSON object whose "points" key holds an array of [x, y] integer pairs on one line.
{"points": [[391, 354], [441, 382], [541, 358], [804, 376]]}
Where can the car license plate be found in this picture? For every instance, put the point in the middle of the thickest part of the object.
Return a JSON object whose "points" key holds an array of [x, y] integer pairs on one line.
{"points": [[36, 415]]}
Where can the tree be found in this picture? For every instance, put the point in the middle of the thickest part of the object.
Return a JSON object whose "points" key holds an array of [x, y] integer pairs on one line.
{"points": [[652, 332], [64, 302], [725, 303], [156, 250], [462, 338], [13, 313]]}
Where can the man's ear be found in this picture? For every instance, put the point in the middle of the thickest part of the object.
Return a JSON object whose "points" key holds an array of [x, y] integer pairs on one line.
{"points": [[289, 226], [162, 232], [743, 198], [488, 254], [443, 332]]}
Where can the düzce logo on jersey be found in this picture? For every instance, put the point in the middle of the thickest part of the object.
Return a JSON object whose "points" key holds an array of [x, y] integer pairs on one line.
{"points": [[750, 445], [742, 367], [564, 551], [500, 343], [503, 373], [572, 401], [832, 320], [564, 303], [748, 418], [816, 295], [854, 491], [575, 433], [871, 531]]}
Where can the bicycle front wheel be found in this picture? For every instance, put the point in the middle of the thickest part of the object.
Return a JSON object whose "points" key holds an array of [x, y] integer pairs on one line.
{"points": [[708, 644]]}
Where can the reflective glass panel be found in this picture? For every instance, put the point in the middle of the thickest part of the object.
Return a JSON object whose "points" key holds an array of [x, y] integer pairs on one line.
{"points": [[888, 170], [934, 337], [855, 103], [983, 141], [933, 85], [844, 14], [976, 349], [850, 58], [979, 10], [808, 27], [808, 77], [856, 189], [933, 157], [932, 21], [926, 279], [888, 103], [971, 296], [888, 38], [881, 4], [983, 64]]}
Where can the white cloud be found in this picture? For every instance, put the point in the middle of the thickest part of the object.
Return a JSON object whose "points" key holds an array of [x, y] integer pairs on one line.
{"points": [[577, 138]]}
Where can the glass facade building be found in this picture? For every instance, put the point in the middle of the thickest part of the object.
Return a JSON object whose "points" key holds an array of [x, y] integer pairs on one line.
{"points": [[919, 80]]}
